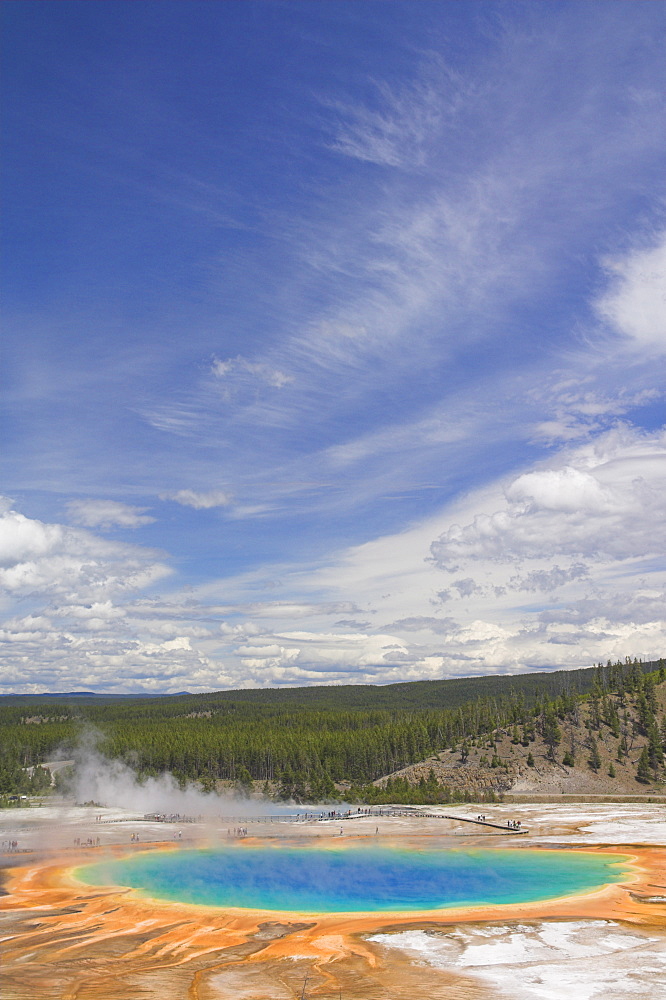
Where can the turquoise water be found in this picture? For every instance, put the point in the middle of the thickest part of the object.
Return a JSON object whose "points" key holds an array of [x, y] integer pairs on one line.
{"points": [[315, 880]]}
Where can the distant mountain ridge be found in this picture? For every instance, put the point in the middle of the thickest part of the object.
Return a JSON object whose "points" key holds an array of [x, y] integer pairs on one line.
{"points": [[427, 694], [92, 694]]}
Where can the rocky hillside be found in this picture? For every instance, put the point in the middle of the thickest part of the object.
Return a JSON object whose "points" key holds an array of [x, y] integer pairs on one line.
{"points": [[584, 755]]}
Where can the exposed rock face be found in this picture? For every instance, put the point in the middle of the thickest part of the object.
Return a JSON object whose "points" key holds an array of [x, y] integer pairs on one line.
{"points": [[470, 778]]}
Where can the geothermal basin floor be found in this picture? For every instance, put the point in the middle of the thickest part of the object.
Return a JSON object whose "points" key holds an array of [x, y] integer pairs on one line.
{"points": [[64, 940]]}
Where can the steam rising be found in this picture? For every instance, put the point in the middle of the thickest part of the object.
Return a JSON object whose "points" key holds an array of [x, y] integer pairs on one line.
{"points": [[113, 783]]}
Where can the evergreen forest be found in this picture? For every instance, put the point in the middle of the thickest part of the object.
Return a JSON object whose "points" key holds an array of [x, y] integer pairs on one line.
{"points": [[322, 743]]}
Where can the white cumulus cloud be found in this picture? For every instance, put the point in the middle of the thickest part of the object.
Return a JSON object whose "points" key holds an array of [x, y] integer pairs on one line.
{"points": [[605, 500], [635, 304], [50, 559]]}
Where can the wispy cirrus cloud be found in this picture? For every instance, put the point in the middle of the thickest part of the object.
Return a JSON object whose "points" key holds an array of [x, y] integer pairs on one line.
{"points": [[400, 126], [578, 412], [245, 369], [107, 514], [200, 500], [449, 258]]}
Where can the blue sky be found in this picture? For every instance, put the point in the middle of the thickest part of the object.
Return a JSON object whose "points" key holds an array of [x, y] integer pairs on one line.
{"points": [[334, 341]]}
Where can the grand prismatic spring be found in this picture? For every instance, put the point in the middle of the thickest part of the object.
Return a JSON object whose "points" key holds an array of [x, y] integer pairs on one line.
{"points": [[357, 879], [432, 907]]}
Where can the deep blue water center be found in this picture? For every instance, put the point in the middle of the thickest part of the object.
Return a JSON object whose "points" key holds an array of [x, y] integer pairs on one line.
{"points": [[355, 879]]}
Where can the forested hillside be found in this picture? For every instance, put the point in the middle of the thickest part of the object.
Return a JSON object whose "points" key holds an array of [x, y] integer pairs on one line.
{"points": [[408, 695], [611, 742], [301, 742]]}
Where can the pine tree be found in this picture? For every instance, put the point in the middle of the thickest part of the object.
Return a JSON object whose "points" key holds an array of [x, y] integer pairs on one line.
{"points": [[552, 734], [298, 791], [643, 770], [594, 717], [655, 752], [645, 712], [611, 716], [650, 694], [594, 760], [243, 783], [286, 786]]}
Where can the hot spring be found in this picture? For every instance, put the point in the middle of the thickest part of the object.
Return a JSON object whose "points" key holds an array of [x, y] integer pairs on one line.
{"points": [[357, 879]]}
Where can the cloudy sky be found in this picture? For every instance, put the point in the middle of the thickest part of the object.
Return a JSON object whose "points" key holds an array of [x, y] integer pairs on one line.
{"points": [[334, 341]]}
